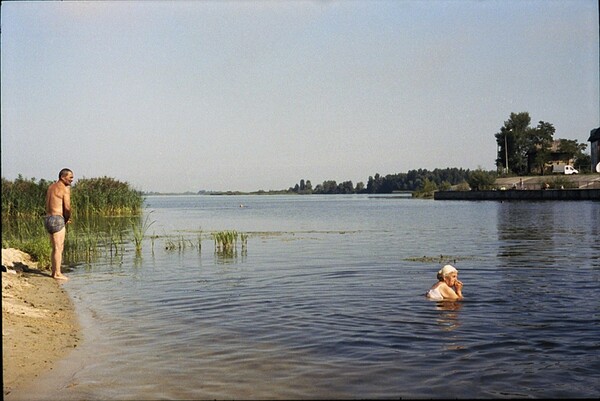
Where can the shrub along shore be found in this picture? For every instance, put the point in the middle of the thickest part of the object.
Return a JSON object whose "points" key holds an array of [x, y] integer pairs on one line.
{"points": [[23, 207]]}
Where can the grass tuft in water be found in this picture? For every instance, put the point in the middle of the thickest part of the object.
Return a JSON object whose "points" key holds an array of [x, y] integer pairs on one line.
{"points": [[139, 232], [225, 241]]}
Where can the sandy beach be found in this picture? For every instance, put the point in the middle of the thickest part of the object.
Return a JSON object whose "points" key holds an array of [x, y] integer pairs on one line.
{"points": [[39, 325]]}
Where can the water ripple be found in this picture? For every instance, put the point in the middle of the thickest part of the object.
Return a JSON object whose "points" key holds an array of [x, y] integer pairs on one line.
{"points": [[333, 306]]}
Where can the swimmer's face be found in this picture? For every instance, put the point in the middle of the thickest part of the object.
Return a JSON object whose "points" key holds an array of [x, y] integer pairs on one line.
{"points": [[451, 278]]}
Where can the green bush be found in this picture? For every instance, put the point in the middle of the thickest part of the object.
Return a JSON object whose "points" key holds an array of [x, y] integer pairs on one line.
{"points": [[426, 189], [480, 180], [23, 206], [105, 196], [561, 183], [23, 197]]}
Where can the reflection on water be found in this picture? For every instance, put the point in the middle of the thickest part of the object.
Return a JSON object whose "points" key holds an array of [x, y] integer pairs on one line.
{"points": [[594, 218], [525, 231], [448, 317], [327, 302]]}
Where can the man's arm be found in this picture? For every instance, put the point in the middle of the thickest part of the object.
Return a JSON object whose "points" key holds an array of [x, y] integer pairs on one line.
{"points": [[67, 204]]}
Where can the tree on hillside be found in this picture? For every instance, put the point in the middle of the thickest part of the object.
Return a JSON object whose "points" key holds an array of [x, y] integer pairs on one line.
{"points": [[538, 142], [510, 143], [521, 147], [574, 150], [480, 180], [426, 189]]}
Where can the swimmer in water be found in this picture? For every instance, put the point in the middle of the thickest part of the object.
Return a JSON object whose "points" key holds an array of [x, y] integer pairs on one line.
{"points": [[448, 286]]}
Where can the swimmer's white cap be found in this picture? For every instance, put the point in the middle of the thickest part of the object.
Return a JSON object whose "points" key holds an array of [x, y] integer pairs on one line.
{"points": [[447, 270]]}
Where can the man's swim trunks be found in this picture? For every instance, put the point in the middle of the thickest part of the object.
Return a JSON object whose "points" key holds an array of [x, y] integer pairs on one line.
{"points": [[54, 224]]}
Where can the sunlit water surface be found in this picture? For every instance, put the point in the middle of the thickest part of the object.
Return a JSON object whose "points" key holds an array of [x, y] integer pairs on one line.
{"points": [[326, 301]]}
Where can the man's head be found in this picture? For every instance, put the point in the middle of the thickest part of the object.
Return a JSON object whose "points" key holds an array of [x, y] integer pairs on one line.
{"points": [[66, 176]]}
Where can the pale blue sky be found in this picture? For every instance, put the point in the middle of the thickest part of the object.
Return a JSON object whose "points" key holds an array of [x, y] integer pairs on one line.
{"points": [[248, 95]]}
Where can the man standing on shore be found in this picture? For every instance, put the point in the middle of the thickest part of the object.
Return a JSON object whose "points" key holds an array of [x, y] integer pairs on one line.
{"points": [[58, 214]]}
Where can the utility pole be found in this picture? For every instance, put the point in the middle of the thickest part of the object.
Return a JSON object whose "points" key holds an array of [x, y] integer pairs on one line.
{"points": [[505, 154]]}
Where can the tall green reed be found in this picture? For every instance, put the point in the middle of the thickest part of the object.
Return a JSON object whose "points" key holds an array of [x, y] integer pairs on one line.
{"points": [[226, 242], [178, 243], [29, 235], [23, 205], [106, 196], [98, 228], [89, 196], [139, 232], [23, 197]]}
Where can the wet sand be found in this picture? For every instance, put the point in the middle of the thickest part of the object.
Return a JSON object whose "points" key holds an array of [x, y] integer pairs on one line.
{"points": [[39, 325]]}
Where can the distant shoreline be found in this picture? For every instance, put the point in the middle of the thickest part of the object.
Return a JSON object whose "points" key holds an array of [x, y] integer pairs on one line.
{"points": [[530, 182]]}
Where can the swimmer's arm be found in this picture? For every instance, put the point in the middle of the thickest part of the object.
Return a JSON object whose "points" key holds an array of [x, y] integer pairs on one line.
{"points": [[458, 289], [450, 293]]}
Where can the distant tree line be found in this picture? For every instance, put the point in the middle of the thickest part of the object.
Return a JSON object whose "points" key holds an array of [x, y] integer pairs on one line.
{"points": [[414, 180]]}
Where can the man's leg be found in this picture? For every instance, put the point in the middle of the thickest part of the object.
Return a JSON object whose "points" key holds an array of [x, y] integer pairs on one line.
{"points": [[58, 243]]}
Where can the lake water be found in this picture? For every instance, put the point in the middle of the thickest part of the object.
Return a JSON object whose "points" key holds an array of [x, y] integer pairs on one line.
{"points": [[327, 301]]}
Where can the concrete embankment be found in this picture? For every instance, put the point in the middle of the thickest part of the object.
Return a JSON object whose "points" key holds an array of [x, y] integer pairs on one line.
{"points": [[577, 187], [531, 195]]}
